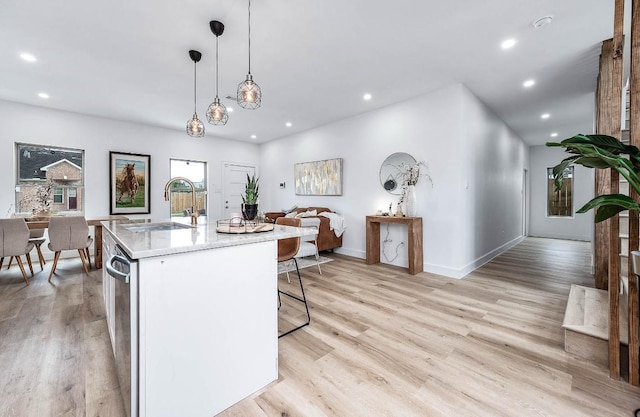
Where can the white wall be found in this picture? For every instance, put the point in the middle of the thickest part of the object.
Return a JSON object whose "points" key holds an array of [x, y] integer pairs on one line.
{"points": [[468, 214], [98, 136], [495, 160], [578, 227]]}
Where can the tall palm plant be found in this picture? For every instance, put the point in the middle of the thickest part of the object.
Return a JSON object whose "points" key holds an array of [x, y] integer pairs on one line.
{"points": [[600, 152]]}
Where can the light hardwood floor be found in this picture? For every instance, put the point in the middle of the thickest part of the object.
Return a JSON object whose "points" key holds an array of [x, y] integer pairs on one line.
{"points": [[381, 343]]}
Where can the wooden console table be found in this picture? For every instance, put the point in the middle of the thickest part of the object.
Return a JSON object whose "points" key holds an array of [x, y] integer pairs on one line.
{"points": [[414, 237]]}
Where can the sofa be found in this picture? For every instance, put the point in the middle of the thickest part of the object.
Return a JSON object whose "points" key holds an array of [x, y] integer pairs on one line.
{"points": [[326, 239]]}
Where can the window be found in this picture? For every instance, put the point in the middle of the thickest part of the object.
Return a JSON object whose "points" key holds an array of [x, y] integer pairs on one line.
{"points": [[181, 196], [560, 202], [57, 195], [45, 174]]}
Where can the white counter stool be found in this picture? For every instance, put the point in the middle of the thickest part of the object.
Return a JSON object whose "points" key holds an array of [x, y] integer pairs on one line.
{"points": [[287, 249]]}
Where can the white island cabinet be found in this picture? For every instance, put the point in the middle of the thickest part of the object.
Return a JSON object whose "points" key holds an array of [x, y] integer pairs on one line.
{"points": [[203, 316]]}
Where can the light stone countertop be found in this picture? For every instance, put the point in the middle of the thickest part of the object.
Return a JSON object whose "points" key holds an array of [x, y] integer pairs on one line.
{"points": [[145, 244]]}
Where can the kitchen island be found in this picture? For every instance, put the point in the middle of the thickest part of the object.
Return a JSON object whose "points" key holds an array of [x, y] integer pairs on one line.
{"points": [[195, 329]]}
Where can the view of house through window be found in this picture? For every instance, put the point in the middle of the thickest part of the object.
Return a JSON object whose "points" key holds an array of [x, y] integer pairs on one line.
{"points": [[49, 179], [181, 195], [560, 202]]}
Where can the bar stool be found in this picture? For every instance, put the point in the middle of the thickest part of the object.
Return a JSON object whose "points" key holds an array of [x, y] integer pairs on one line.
{"points": [[287, 249]]}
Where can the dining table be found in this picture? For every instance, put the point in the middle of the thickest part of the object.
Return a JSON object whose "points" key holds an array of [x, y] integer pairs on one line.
{"points": [[43, 223]]}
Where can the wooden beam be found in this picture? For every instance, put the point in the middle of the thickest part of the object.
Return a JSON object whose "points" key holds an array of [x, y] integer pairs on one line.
{"points": [[634, 221], [614, 248], [603, 176]]}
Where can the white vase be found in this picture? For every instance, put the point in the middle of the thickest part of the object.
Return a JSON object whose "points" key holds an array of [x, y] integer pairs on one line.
{"points": [[410, 202]]}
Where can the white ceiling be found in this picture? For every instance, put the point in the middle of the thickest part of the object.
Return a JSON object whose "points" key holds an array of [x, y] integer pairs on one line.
{"points": [[128, 59]]}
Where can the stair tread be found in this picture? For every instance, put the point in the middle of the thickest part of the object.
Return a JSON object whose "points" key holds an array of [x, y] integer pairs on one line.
{"points": [[587, 312]]}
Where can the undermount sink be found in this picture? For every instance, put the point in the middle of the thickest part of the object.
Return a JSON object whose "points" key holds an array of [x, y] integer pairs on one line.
{"points": [[156, 227]]}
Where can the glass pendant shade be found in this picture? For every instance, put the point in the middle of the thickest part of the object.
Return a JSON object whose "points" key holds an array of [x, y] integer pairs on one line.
{"points": [[249, 94], [195, 128], [217, 113]]}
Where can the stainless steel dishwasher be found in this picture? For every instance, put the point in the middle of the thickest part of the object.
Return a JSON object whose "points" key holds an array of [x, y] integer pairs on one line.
{"points": [[124, 272]]}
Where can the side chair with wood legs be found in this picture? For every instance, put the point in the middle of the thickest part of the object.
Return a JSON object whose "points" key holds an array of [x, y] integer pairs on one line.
{"points": [[14, 241], [287, 249], [69, 233], [36, 236]]}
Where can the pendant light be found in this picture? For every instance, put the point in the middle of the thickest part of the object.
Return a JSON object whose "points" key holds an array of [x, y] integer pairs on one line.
{"points": [[249, 95], [217, 112], [195, 127]]}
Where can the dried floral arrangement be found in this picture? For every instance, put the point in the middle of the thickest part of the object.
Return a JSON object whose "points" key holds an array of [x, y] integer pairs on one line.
{"points": [[42, 200]]}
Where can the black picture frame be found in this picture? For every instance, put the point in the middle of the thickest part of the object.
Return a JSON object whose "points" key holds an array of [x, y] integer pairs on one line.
{"points": [[129, 183]]}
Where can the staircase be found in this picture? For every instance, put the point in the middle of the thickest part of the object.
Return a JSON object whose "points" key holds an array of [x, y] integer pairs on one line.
{"points": [[586, 319], [586, 324]]}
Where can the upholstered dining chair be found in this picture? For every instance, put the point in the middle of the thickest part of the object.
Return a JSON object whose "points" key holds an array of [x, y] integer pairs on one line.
{"points": [[14, 241], [287, 249], [36, 236], [310, 248], [69, 233]]}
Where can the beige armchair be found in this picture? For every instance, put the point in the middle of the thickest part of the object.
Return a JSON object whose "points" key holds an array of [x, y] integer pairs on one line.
{"points": [[14, 241], [69, 233]]}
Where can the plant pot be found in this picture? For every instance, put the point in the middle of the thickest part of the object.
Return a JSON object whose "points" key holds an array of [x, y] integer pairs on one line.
{"points": [[249, 211]]}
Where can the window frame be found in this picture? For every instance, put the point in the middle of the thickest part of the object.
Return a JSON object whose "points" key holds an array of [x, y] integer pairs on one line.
{"points": [[204, 189], [570, 170], [38, 180]]}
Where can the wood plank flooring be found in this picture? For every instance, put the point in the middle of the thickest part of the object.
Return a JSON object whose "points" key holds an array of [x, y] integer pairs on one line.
{"points": [[381, 343]]}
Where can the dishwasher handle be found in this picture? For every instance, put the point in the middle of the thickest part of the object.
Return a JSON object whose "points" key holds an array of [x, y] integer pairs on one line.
{"points": [[114, 272]]}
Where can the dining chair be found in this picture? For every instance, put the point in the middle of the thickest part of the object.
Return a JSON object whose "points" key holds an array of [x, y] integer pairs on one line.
{"points": [[310, 248], [69, 233], [14, 241], [36, 236], [287, 249]]}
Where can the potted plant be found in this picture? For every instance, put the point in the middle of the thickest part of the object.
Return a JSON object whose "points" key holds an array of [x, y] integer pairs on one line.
{"points": [[602, 151], [250, 198]]}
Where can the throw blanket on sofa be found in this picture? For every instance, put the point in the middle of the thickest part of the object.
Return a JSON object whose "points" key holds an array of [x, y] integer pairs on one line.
{"points": [[336, 222]]}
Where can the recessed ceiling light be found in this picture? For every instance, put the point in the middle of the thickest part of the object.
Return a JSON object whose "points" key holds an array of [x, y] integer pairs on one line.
{"points": [[545, 116], [229, 109], [43, 95], [28, 57], [288, 124], [543, 21], [253, 136], [367, 96], [529, 83], [508, 44], [554, 134]]}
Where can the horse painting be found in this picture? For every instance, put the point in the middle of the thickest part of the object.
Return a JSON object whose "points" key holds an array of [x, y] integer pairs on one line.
{"points": [[129, 183]]}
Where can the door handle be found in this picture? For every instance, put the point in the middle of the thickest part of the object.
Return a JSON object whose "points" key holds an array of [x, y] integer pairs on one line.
{"points": [[114, 272]]}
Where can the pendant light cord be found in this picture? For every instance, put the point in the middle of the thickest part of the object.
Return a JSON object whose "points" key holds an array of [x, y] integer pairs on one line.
{"points": [[249, 36], [195, 91], [216, 66]]}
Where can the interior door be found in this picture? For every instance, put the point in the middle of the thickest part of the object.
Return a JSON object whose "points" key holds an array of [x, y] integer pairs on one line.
{"points": [[235, 179]]}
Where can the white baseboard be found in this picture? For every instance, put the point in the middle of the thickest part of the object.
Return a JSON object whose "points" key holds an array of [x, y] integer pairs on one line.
{"points": [[447, 271], [458, 273], [351, 252]]}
